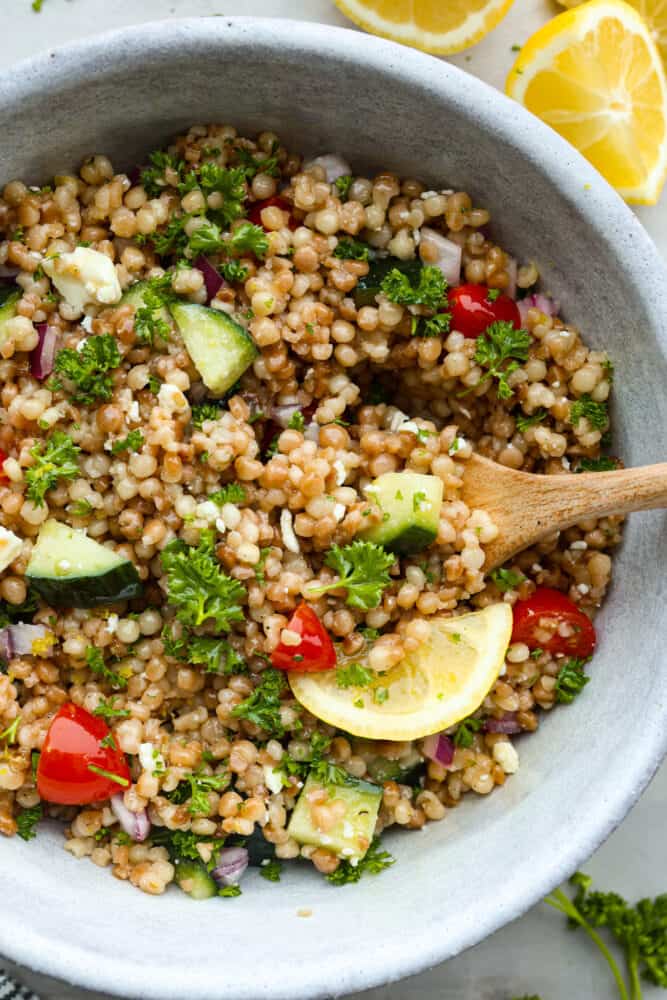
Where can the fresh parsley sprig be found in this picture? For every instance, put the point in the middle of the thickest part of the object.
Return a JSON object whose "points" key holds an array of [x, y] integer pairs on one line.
{"points": [[571, 680], [89, 368], [500, 349], [197, 586], [595, 413], [54, 459], [27, 820], [362, 569], [430, 290], [373, 862], [132, 442], [262, 707]]}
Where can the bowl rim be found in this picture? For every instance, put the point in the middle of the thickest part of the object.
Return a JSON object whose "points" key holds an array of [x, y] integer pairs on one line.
{"points": [[582, 186]]}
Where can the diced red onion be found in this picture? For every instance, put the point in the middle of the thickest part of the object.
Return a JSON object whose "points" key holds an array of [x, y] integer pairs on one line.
{"points": [[136, 825], [212, 279], [507, 724], [230, 865], [537, 301], [449, 254], [42, 357], [512, 270], [334, 166], [17, 640], [439, 748]]}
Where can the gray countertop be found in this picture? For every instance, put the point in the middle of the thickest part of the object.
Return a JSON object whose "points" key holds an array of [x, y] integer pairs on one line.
{"points": [[536, 954]]}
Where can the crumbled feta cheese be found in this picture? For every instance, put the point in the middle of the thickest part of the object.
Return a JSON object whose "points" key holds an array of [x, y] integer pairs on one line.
{"points": [[505, 755], [341, 472], [172, 399], [457, 444], [84, 276], [87, 324], [583, 588], [112, 623], [133, 411], [287, 531], [428, 194], [410, 426], [396, 418], [536, 568], [339, 511], [10, 547], [565, 462], [579, 546], [273, 779], [150, 758]]}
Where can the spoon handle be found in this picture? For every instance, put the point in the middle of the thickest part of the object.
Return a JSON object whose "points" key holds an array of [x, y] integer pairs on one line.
{"points": [[595, 494]]}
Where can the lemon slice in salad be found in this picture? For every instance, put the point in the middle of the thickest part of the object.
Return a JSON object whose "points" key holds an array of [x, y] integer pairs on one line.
{"points": [[444, 680]]}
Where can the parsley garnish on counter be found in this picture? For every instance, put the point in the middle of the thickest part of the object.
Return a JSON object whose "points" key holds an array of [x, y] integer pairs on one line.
{"points": [[500, 349], [362, 569], [640, 930], [89, 368], [197, 586], [372, 863], [55, 459]]}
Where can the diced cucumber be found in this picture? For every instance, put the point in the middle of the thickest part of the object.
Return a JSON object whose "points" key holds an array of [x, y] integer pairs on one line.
{"points": [[220, 348], [193, 878], [352, 834], [68, 569], [134, 296], [8, 299], [411, 503], [404, 770], [369, 286]]}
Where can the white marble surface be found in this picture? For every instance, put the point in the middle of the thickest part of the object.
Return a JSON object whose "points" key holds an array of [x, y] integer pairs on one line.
{"points": [[535, 954]]}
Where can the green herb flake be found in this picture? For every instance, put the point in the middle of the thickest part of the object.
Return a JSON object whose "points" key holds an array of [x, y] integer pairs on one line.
{"points": [[198, 588], [353, 675], [27, 820], [262, 707], [362, 569], [116, 778], [132, 442], [54, 459], [571, 680], [343, 185], [349, 249], [500, 349], [372, 863], [88, 369], [232, 493], [464, 735], [587, 409], [430, 290], [506, 579], [271, 870], [524, 420]]}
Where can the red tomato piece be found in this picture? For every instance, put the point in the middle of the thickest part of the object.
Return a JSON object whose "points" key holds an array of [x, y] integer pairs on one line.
{"points": [[74, 767], [255, 213], [544, 607], [314, 652], [3, 459], [472, 310]]}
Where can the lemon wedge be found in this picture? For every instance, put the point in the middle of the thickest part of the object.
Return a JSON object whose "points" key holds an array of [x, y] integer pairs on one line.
{"points": [[595, 75], [430, 25], [442, 682]]}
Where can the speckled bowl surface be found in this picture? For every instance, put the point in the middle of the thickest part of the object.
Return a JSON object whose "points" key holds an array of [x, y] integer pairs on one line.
{"points": [[382, 106]]}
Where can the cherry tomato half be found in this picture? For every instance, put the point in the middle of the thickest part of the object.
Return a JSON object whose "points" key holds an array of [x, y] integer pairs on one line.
{"points": [[314, 652], [472, 310], [3, 459], [545, 606], [255, 213], [73, 766]]}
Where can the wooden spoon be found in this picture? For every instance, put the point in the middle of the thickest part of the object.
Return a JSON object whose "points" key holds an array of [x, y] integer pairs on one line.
{"points": [[527, 507]]}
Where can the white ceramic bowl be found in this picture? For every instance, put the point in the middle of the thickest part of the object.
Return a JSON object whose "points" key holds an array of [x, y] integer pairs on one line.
{"points": [[381, 106]]}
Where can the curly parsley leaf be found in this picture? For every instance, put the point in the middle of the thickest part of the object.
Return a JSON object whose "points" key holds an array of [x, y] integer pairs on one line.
{"points": [[429, 291], [524, 420], [95, 662], [173, 239], [595, 413], [463, 737], [571, 680], [132, 442], [262, 707], [352, 250], [89, 368], [182, 844], [500, 349], [373, 862], [230, 183], [252, 166], [149, 319], [353, 675], [218, 654], [248, 238], [506, 579], [233, 271], [152, 178], [362, 569], [232, 493], [27, 820], [296, 421], [435, 326], [601, 464], [105, 710], [197, 586], [271, 870], [54, 459], [343, 185], [205, 411]]}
